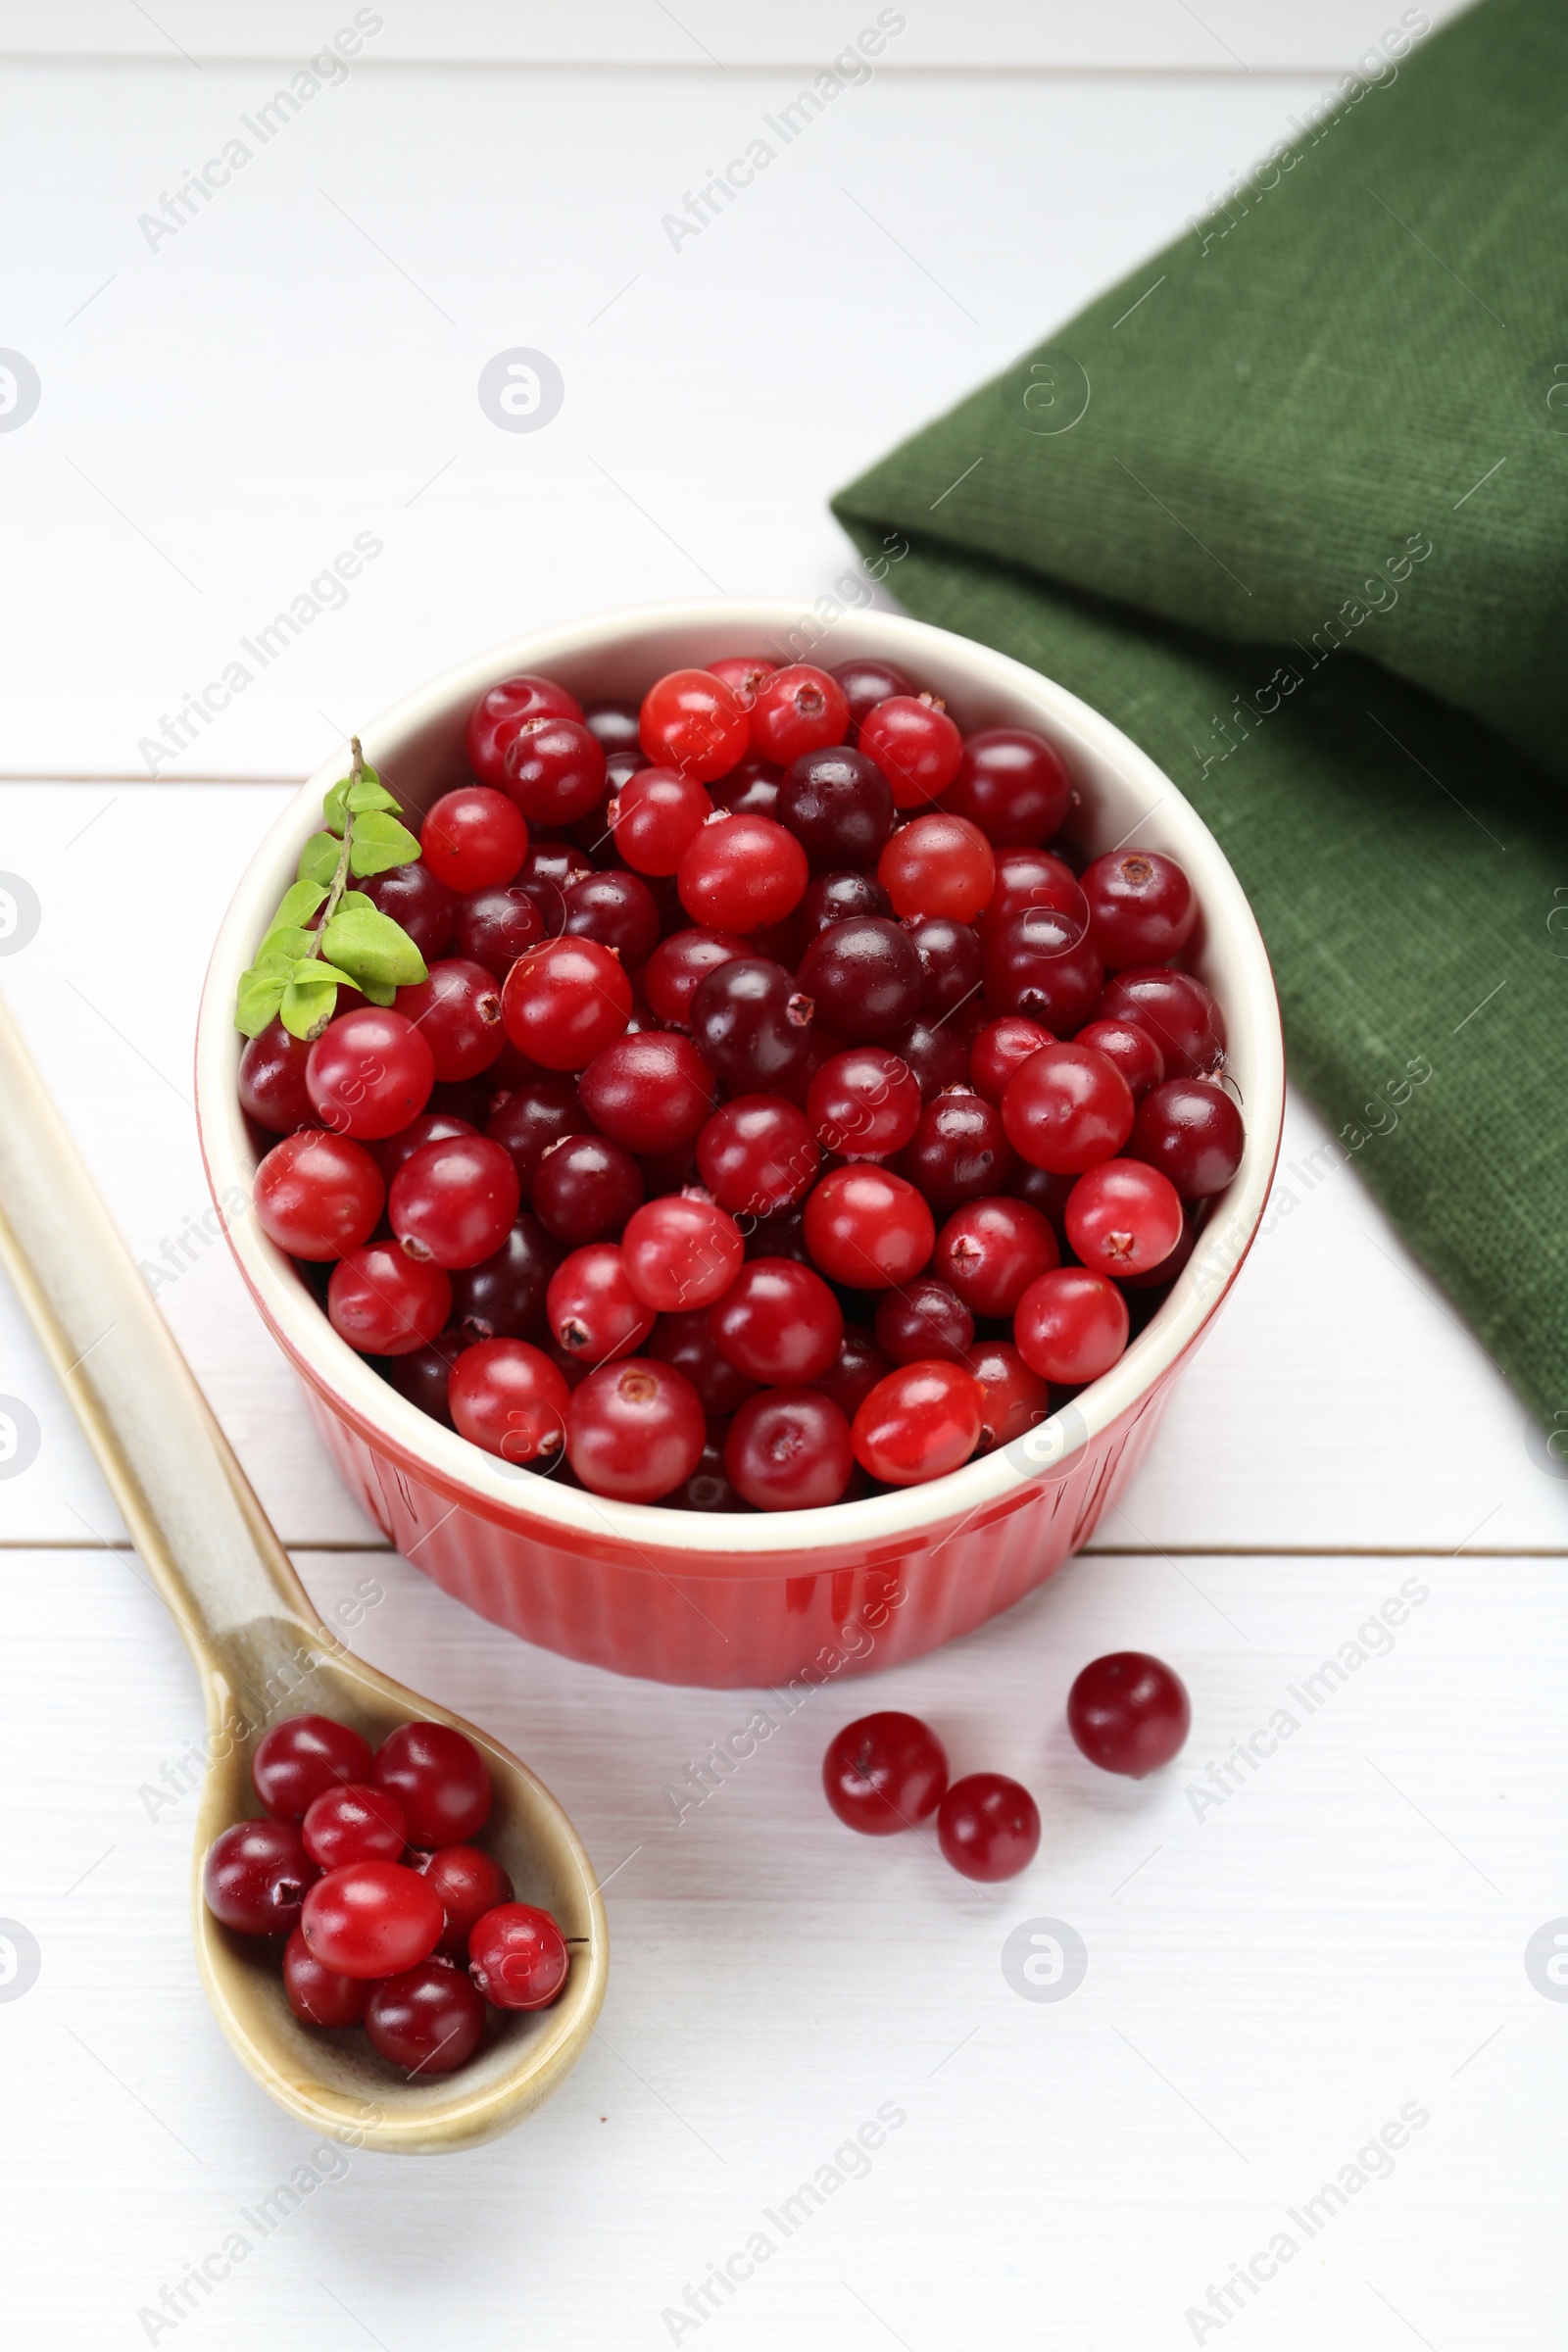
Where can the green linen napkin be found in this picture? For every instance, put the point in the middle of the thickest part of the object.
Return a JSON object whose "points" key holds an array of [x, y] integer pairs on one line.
{"points": [[1290, 505]]}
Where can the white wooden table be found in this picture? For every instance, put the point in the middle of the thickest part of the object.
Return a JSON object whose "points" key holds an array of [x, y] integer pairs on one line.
{"points": [[1312, 1927]]}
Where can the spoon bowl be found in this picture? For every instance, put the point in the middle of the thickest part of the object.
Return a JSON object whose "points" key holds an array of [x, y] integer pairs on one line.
{"points": [[264, 1654]]}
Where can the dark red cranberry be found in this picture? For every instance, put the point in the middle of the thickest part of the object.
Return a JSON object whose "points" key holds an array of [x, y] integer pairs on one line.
{"points": [[1067, 1109], [652, 1091], [300, 1759], [430, 1127], [614, 726], [961, 1152], [781, 1235], [864, 682], [1190, 1129], [991, 1251], [988, 1827], [752, 1023], [686, 1340], [635, 1430], [317, 1996], [934, 1052], [1131, 1048], [789, 1450], [1033, 877], [1070, 1326], [545, 874], [924, 1319], [428, 2020], [951, 963], [503, 1297], [256, 1877], [834, 897], [679, 966], [538, 1114], [750, 788], [838, 805], [440, 1779], [864, 977], [1016, 1398], [617, 910], [1129, 1713], [413, 896], [778, 1323], [884, 1773], [1141, 907], [457, 1010], [502, 709], [708, 1488], [1178, 1011], [586, 1189], [422, 1376], [1013, 784], [856, 1370], [470, 1883], [271, 1081], [1040, 964]]}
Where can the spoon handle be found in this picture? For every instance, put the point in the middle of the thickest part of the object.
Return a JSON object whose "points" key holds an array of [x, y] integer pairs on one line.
{"points": [[189, 1507]]}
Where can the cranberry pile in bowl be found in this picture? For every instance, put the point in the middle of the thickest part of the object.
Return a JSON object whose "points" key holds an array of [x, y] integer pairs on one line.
{"points": [[768, 1123]]}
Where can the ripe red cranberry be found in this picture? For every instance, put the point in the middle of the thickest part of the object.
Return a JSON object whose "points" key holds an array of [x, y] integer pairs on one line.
{"points": [[939, 864], [1033, 877], [427, 2020], [371, 1919], [617, 910], [1070, 1326], [864, 977], [916, 745], [457, 1010], [867, 1228], [884, 1773], [788, 1450], [691, 720], [1141, 907], [951, 963], [502, 709], [318, 1196], [686, 1340], [1014, 785], [470, 1883], [354, 1822], [988, 1827], [1067, 1109], [739, 873], [924, 1322], [1016, 1398], [651, 1092], [384, 1303], [394, 1151], [998, 1050], [778, 1322], [586, 1189], [422, 1377], [1044, 965], [838, 806], [935, 1053], [494, 927], [565, 1001], [742, 674], [1123, 1217], [834, 897], [681, 1252], [271, 1081], [991, 1251], [757, 1155], [508, 1396], [1129, 1713], [303, 1756], [473, 839], [679, 966], [708, 1488], [1188, 1128], [752, 1023], [797, 710], [653, 817], [920, 1422], [614, 725], [439, 1778], [518, 1957], [635, 1430], [860, 1364], [1157, 1278], [864, 682], [750, 788], [368, 1073], [554, 770], [1132, 1049], [1179, 1013], [256, 1877], [538, 1114], [545, 874], [419, 901], [317, 1996], [503, 1297], [863, 1103], [591, 1308], [961, 1152], [454, 1200]]}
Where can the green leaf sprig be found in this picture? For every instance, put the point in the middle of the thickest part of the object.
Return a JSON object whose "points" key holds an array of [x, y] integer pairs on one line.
{"points": [[298, 973]]}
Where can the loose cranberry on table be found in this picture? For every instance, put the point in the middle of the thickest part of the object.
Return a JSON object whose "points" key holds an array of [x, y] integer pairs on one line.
{"points": [[1123, 1217], [439, 1778], [681, 1252], [988, 1827], [454, 1201], [473, 839], [370, 1918], [884, 1773], [635, 1430], [867, 1228], [368, 1073], [778, 1322], [507, 1397], [1129, 1713], [564, 1002], [428, 2020], [470, 1883], [318, 1196], [919, 1422], [1071, 1325], [1014, 785], [518, 1957], [256, 1877], [691, 720], [1188, 1129], [916, 745], [354, 1822], [788, 1450], [502, 709]]}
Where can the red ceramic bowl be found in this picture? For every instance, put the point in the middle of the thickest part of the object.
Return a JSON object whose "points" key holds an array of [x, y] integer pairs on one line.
{"points": [[687, 1596]]}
